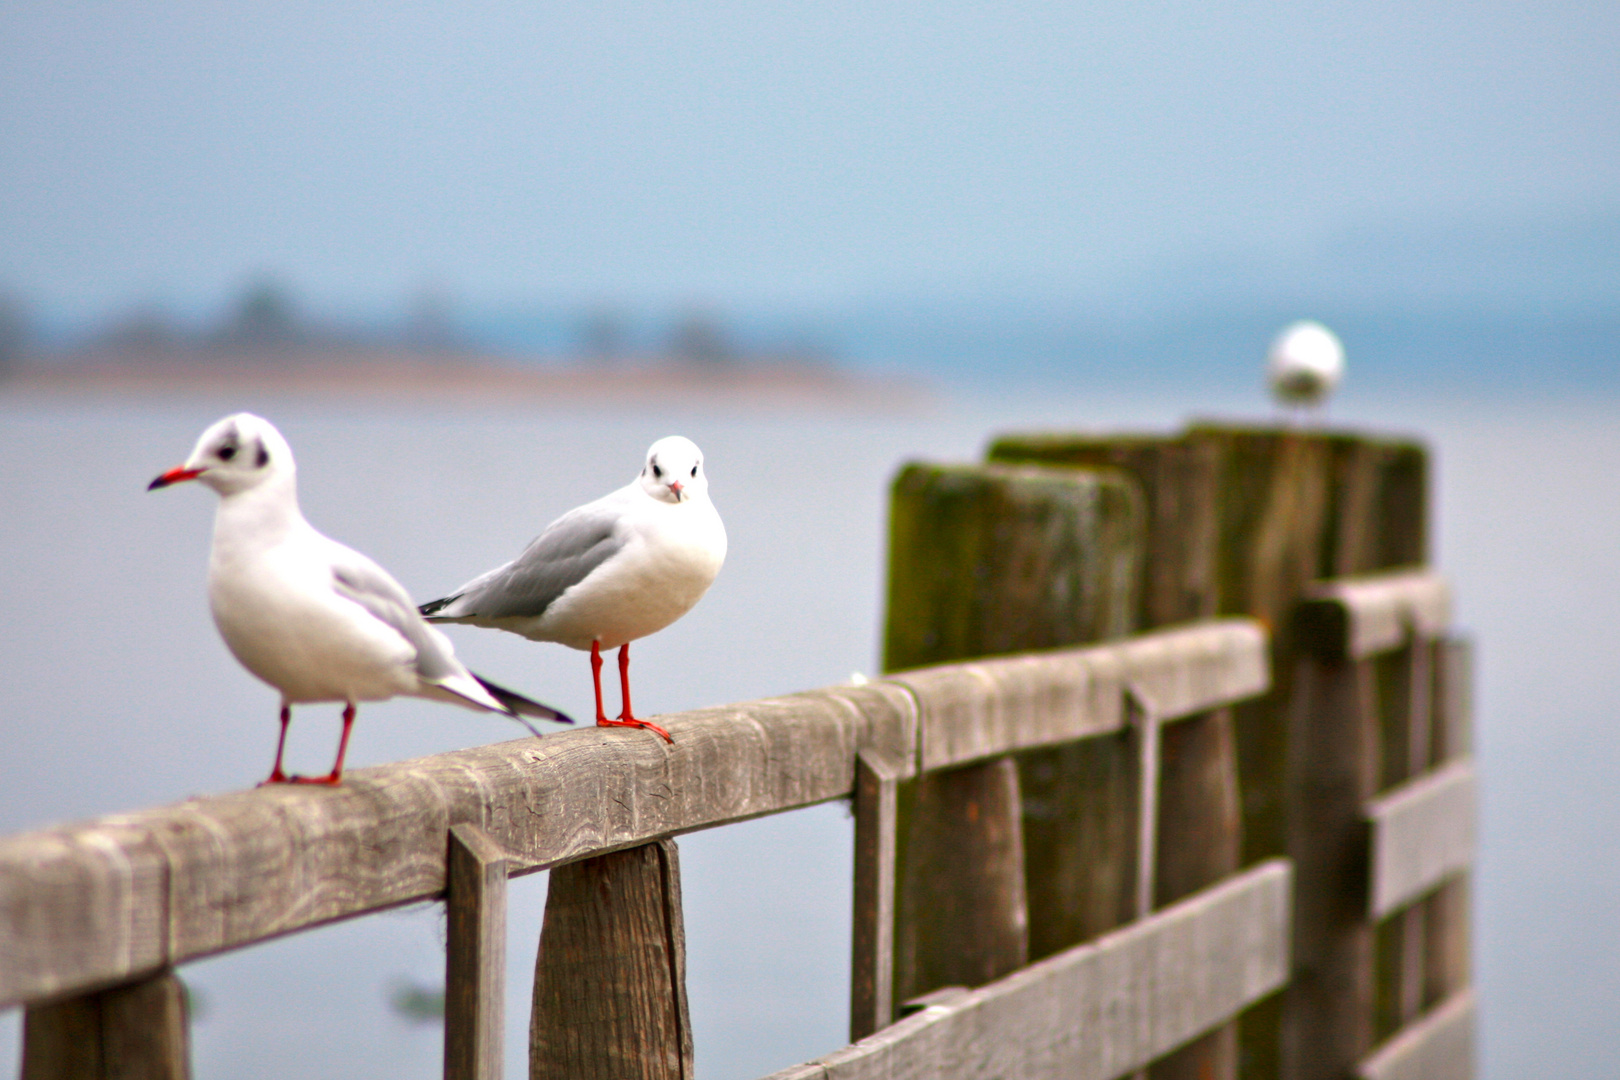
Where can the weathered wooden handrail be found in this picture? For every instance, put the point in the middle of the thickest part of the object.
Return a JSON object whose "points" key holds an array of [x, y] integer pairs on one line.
{"points": [[92, 905]]}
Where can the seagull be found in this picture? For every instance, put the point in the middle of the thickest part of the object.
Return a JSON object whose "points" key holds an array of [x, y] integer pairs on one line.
{"points": [[316, 620], [608, 572], [1305, 363]]}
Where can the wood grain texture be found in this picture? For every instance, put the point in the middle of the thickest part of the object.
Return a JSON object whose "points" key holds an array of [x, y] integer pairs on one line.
{"points": [[1440, 1046], [964, 920], [475, 957], [1354, 618], [610, 979], [1423, 832], [1100, 1010], [872, 931], [138, 1031]]}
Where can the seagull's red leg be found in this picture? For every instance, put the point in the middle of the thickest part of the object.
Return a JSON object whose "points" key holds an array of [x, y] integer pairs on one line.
{"points": [[276, 775], [626, 718], [624, 683], [596, 679], [336, 775]]}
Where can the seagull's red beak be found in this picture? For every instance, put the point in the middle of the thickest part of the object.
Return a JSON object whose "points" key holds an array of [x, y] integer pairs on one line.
{"points": [[174, 476], [675, 486]]}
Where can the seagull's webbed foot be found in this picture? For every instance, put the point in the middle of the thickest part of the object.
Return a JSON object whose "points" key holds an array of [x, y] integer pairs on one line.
{"points": [[632, 722], [329, 780]]}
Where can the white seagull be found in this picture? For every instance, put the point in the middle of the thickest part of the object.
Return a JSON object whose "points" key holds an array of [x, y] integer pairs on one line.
{"points": [[1305, 363], [316, 620], [608, 572]]}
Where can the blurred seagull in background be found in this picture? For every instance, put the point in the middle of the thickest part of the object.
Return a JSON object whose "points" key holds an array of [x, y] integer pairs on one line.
{"points": [[608, 572], [1305, 363], [316, 620]]}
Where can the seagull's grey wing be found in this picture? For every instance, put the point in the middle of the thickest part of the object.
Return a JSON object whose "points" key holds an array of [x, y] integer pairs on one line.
{"points": [[357, 578], [555, 561]]}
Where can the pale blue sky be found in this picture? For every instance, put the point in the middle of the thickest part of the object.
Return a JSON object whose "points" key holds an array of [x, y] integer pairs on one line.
{"points": [[783, 154]]}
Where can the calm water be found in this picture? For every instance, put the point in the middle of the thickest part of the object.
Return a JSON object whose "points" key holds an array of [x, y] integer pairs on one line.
{"points": [[120, 695]]}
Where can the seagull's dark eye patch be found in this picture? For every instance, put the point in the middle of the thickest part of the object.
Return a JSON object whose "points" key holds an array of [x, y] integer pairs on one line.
{"points": [[263, 457], [657, 472], [226, 452], [694, 470]]}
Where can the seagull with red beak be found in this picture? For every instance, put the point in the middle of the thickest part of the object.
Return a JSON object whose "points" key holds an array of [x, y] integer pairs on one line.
{"points": [[608, 572], [316, 620]]}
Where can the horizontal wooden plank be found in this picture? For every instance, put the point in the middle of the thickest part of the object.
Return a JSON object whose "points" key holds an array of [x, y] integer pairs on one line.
{"points": [[93, 904], [1439, 1046], [1100, 1010], [987, 708], [1354, 618], [1422, 832]]}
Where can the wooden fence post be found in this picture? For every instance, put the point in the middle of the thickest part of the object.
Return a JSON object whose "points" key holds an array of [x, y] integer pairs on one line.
{"points": [[610, 980], [1448, 967], [872, 938], [988, 560], [475, 957], [137, 1031]]}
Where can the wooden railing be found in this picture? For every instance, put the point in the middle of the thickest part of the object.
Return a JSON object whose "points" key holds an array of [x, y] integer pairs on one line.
{"points": [[97, 914]]}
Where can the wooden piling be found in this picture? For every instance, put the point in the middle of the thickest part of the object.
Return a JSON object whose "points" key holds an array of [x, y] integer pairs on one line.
{"points": [[610, 980], [986, 560], [137, 1031]]}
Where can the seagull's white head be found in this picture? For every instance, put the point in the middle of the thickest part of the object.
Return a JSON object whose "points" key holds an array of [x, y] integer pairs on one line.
{"points": [[674, 470], [1305, 363], [238, 453]]}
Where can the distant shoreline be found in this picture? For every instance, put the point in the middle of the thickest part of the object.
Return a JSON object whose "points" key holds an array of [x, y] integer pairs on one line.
{"points": [[378, 374]]}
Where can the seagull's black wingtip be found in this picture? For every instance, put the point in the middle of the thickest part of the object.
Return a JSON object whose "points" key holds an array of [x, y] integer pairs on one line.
{"points": [[520, 706], [433, 607]]}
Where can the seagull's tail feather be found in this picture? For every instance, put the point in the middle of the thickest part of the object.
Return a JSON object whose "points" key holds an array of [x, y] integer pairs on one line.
{"points": [[433, 607], [520, 706]]}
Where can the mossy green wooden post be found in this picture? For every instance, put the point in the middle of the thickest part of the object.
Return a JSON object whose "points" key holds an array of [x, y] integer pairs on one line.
{"points": [[987, 560]]}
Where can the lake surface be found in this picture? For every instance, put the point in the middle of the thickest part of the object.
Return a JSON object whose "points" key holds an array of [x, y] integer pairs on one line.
{"points": [[120, 694]]}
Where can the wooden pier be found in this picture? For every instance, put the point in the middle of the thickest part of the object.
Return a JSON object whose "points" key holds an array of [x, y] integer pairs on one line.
{"points": [[1169, 777]]}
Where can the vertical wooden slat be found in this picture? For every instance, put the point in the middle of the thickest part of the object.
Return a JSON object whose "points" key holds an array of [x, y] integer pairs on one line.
{"points": [[475, 957], [1418, 655], [1200, 842], [1447, 964], [1146, 728], [871, 988], [1333, 770], [987, 560], [610, 980], [138, 1031]]}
